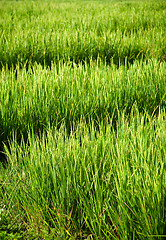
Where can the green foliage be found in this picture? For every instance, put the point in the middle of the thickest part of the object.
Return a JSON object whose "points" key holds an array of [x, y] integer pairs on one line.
{"points": [[107, 183], [68, 92], [43, 32], [7, 229], [82, 119]]}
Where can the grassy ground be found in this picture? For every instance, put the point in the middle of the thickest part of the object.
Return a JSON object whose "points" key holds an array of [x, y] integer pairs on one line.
{"points": [[82, 120]]}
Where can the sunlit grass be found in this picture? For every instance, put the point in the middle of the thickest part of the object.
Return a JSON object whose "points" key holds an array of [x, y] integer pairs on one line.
{"points": [[68, 93], [82, 120], [48, 31], [105, 183]]}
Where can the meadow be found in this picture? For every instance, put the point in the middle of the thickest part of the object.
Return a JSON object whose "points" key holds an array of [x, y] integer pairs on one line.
{"points": [[82, 119]]}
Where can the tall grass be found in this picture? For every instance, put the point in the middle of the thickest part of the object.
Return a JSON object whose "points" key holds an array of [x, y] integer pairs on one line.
{"points": [[49, 31], [42, 97], [82, 120], [103, 184]]}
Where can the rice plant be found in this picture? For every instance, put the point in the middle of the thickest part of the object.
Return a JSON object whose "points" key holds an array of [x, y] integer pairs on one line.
{"points": [[82, 119], [107, 184], [51, 31], [42, 97]]}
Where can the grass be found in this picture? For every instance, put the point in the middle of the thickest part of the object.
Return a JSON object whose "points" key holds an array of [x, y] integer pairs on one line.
{"points": [[42, 97], [43, 32], [82, 120], [110, 184]]}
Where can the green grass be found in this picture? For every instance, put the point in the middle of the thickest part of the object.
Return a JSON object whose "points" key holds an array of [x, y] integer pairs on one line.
{"points": [[108, 184], [42, 97], [49, 31], [82, 120]]}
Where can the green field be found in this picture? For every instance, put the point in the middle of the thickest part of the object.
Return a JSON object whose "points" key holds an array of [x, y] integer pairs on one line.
{"points": [[83, 119]]}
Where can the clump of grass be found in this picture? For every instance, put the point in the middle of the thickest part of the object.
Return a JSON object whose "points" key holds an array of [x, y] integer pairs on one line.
{"points": [[105, 184]]}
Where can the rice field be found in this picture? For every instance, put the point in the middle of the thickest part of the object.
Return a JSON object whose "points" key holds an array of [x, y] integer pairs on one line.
{"points": [[82, 119]]}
